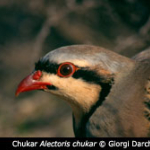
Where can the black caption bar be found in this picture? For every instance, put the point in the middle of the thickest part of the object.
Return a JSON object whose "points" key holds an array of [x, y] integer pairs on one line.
{"points": [[101, 143]]}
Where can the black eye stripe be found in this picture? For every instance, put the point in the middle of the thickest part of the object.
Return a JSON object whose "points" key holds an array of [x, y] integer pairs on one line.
{"points": [[83, 73], [46, 66], [87, 75]]}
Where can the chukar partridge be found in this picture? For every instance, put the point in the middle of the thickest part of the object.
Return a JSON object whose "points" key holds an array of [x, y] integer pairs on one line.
{"points": [[109, 94]]}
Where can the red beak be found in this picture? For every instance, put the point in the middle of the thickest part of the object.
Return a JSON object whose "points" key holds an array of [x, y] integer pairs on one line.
{"points": [[31, 82]]}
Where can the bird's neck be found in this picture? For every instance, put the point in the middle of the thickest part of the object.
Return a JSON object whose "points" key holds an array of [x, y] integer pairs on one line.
{"points": [[81, 116], [81, 103]]}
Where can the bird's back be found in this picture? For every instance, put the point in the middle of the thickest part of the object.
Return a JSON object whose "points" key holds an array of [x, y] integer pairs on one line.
{"points": [[126, 111]]}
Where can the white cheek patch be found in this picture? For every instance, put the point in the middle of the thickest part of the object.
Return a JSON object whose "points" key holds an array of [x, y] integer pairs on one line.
{"points": [[78, 91], [79, 94]]}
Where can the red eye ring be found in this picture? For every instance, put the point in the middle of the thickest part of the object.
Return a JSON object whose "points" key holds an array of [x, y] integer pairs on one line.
{"points": [[66, 69]]}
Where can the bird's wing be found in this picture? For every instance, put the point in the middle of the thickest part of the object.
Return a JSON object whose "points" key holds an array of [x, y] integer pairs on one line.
{"points": [[142, 56], [126, 110]]}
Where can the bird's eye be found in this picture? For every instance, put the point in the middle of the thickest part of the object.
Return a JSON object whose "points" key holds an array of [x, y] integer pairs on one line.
{"points": [[66, 69]]}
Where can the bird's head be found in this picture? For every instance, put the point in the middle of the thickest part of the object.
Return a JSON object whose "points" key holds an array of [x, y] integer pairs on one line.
{"points": [[80, 74]]}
